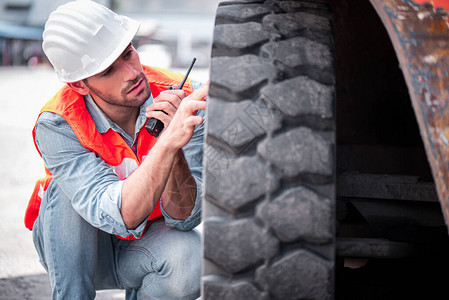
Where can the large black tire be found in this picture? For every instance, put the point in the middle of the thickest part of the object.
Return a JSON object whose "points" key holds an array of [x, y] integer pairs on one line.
{"points": [[269, 208]]}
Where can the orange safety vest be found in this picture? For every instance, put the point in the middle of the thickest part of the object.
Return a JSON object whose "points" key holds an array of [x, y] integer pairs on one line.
{"points": [[109, 145]]}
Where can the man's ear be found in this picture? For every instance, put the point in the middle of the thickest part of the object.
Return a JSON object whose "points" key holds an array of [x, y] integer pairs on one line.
{"points": [[80, 87]]}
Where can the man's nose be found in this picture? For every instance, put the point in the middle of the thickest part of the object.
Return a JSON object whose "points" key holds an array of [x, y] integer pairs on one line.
{"points": [[130, 72]]}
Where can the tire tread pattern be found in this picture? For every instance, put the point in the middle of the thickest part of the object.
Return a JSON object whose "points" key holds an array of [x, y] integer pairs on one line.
{"points": [[269, 207]]}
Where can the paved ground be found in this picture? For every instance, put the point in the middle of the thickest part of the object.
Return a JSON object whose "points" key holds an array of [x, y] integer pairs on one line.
{"points": [[22, 93]]}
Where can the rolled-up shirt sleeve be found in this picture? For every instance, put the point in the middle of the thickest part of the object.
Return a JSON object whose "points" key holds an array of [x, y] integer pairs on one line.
{"points": [[82, 176]]}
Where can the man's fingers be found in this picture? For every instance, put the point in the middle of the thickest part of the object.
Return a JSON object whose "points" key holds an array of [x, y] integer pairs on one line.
{"points": [[166, 107], [171, 93], [157, 109], [179, 93], [195, 105], [170, 101], [173, 97], [160, 115], [200, 93], [194, 120]]}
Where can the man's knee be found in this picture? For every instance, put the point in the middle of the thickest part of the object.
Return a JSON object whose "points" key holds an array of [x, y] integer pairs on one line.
{"points": [[177, 275], [186, 263]]}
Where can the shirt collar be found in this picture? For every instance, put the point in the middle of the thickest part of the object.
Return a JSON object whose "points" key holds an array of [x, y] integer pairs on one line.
{"points": [[102, 121]]}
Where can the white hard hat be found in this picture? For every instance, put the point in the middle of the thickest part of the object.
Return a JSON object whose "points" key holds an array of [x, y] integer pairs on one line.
{"points": [[83, 38]]}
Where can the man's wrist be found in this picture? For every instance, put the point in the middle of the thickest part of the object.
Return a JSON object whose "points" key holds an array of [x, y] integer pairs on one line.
{"points": [[165, 146]]}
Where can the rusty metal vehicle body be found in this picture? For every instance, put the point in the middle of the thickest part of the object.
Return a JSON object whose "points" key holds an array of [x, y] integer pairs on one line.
{"points": [[392, 159], [420, 37], [386, 155], [419, 34]]}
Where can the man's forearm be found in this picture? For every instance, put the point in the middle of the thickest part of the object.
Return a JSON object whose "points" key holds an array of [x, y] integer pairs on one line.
{"points": [[178, 198], [143, 188]]}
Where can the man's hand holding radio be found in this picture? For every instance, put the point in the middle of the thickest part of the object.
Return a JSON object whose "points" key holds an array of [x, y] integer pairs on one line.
{"points": [[179, 113]]}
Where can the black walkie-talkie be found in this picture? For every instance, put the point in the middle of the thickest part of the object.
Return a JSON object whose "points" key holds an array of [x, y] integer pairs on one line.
{"points": [[156, 126]]}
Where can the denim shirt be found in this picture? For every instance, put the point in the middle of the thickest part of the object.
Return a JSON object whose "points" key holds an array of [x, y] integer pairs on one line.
{"points": [[82, 177]]}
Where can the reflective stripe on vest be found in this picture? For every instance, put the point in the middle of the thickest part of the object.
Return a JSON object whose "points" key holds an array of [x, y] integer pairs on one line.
{"points": [[110, 146]]}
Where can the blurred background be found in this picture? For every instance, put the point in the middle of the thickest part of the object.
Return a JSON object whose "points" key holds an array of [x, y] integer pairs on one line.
{"points": [[172, 32]]}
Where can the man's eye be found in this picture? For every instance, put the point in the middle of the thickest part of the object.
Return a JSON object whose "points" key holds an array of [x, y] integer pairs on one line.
{"points": [[107, 72], [127, 54]]}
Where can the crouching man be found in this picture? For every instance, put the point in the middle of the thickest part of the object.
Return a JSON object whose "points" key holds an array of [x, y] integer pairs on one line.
{"points": [[118, 206]]}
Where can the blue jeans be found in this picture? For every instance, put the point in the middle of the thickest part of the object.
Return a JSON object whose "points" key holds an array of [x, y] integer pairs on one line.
{"points": [[79, 258]]}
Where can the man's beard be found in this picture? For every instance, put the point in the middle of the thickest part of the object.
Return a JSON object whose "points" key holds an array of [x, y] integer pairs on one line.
{"points": [[125, 100]]}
